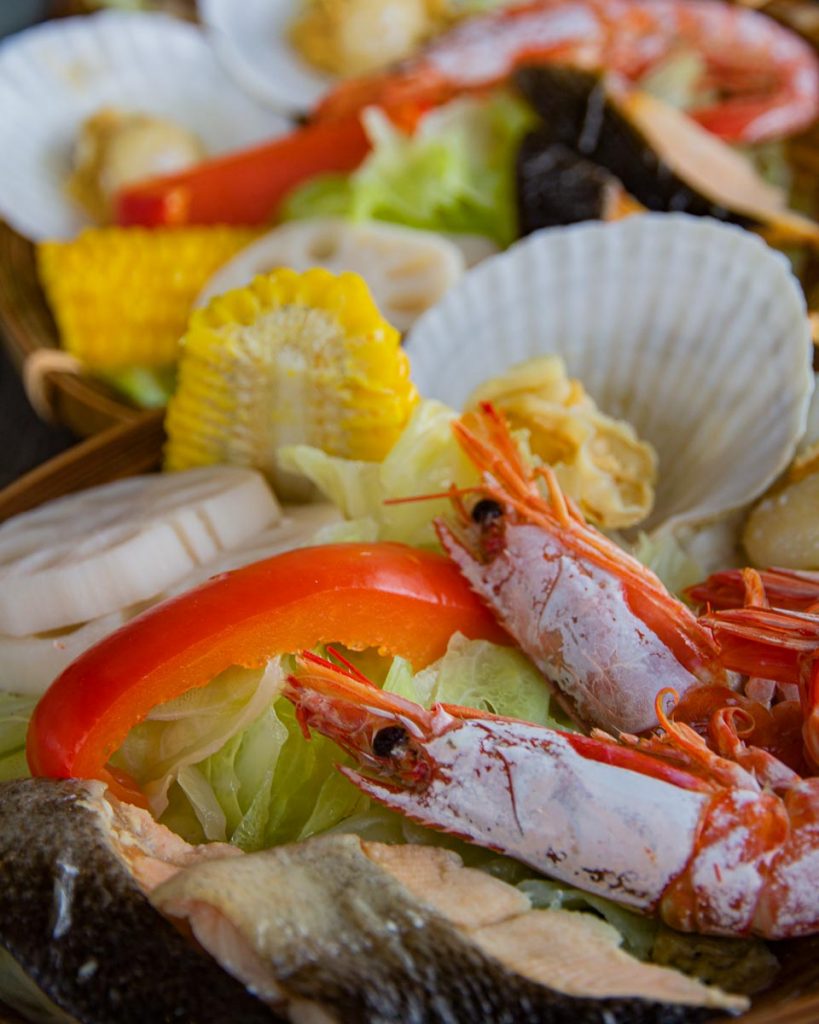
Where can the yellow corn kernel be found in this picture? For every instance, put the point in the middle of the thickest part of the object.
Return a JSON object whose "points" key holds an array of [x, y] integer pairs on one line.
{"points": [[292, 358], [122, 296]]}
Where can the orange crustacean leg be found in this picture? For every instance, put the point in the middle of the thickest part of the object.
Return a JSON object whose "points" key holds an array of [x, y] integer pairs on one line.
{"points": [[776, 644], [789, 589]]}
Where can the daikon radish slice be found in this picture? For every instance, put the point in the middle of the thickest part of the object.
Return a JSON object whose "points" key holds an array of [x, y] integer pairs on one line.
{"points": [[101, 550]]}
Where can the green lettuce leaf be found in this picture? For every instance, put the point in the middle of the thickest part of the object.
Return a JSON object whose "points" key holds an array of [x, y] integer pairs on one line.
{"points": [[147, 387], [479, 674], [664, 555], [426, 459], [15, 712], [455, 174], [639, 933]]}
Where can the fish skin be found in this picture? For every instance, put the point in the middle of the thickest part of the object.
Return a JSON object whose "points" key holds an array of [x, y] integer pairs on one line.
{"points": [[341, 931], [78, 924]]}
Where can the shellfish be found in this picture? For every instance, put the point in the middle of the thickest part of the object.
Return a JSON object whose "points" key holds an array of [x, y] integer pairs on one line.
{"points": [[666, 319], [55, 75]]}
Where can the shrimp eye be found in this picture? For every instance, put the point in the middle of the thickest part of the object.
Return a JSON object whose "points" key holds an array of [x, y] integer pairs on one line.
{"points": [[486, 511], [387, 741]]}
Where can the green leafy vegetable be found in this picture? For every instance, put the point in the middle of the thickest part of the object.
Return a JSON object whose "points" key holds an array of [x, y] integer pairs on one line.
{"points": [[455, 174], [15, 711], [664, 555], [426, 459], [479, 674], [146, 387]]}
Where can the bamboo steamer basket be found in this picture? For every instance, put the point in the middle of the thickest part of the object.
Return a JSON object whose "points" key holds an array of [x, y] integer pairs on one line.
{"points": [[136, 447], [86, 405], [130, 442]]}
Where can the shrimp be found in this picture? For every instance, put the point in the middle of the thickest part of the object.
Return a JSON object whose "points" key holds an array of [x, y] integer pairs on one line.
{"points": [[607, 634], [600, 626], [766, 76], [660, 825]]}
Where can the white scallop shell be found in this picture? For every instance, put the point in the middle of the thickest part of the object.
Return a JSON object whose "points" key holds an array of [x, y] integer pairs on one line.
{"points": [[54, 76], [407, 270], [252, 40], [693, 331]]}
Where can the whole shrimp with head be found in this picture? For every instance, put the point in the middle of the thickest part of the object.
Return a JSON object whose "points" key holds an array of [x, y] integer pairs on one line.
{"points": [[600, 626], [662, 825], [766, 77]]}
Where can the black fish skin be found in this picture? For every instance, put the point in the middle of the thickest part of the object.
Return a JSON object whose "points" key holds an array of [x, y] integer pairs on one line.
{"points": [[384, 957], [75, 920], [555, 186], [579, 113]]}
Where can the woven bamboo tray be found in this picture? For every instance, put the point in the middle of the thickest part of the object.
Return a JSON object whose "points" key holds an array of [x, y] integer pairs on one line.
{"points": [[87, 406], [136, 447]]}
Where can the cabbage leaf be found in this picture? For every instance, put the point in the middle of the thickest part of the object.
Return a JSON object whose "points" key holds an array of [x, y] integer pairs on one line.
{"points": [[426, 459], [455, 174], [15, 712]]}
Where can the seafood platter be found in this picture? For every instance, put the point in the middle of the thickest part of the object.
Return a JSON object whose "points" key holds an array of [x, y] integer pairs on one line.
{"points": [[432, 633]]}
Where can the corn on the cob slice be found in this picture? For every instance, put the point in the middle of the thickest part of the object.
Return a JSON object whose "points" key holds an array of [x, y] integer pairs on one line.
{"points": [[121, 296], [292, 358]]}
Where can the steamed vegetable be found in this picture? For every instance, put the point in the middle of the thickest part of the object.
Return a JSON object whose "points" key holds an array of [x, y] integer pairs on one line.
{"points": [[15, 711], [106, 548], [121, 297], [456, 173], [407, 271], [245, 187], [426, 459], [291, 357], [385, 596]]}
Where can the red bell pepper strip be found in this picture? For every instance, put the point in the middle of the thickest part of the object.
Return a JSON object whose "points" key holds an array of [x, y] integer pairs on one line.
{"points": [[245, 187], [389, 596]]}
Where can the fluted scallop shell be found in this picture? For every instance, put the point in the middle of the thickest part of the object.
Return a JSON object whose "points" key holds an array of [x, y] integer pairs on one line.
{"points": [[693, 331], [54, 76], [252, 39]]}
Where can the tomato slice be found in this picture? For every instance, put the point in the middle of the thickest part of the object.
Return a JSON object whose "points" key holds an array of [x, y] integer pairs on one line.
{"points": [[389, 596]]}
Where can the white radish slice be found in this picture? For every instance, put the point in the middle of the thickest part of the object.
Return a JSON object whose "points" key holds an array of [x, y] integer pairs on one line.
{"points": [[406, 270], [102, 550], [296, 529], [31, 663]]}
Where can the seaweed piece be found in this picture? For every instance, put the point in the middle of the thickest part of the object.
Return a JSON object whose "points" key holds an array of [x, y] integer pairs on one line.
{"points": [[580, 112], [556, 186]]}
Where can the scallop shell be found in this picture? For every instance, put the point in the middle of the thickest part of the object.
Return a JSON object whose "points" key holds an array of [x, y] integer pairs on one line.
{"points": [[252, 41], [53, 76], [693, 331]]}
